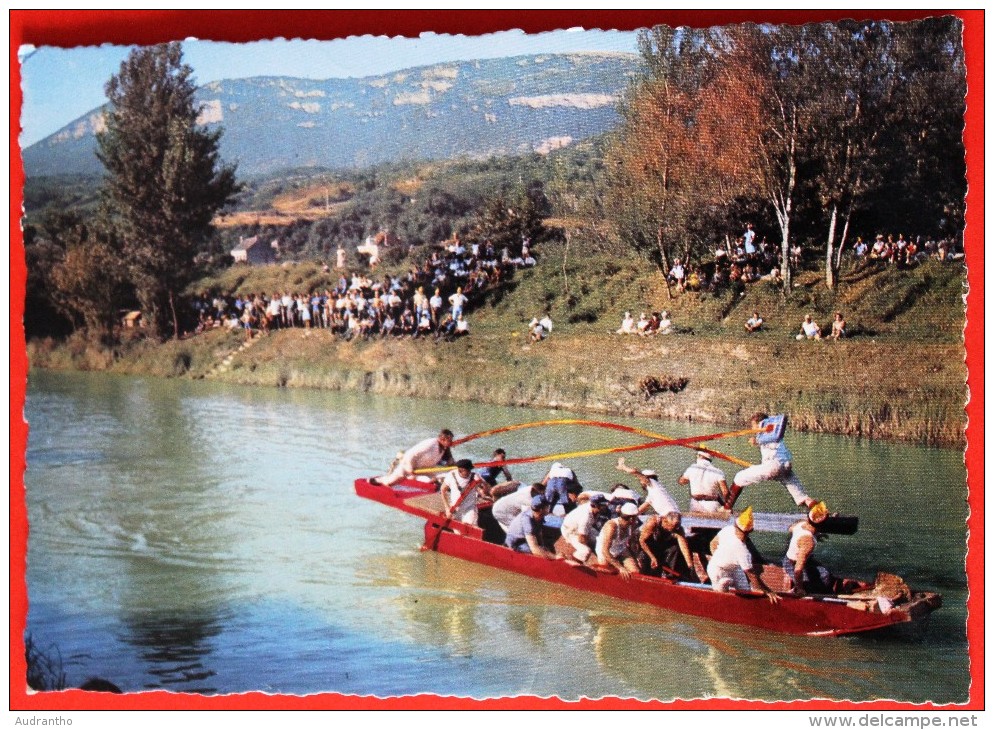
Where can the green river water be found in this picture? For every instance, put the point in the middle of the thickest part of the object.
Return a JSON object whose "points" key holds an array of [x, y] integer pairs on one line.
{"points": [[199, 537]]}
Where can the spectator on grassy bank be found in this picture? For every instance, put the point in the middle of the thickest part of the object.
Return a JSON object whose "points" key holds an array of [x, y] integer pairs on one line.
{"points": [[536, 332], [627, 325], [809, 329], [754, 323], [838, 327]]}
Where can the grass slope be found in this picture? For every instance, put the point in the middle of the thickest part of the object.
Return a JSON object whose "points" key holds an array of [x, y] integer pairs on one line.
{"points": [[902, 375]]}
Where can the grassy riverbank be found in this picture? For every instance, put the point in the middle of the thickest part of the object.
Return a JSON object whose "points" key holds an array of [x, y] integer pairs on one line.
{"points": [[901, 376]]}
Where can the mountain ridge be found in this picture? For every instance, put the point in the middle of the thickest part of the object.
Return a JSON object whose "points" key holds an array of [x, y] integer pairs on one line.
{"points": [[474, 109]]}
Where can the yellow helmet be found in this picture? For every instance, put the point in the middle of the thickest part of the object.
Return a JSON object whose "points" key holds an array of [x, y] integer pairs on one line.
{"points": [[744, 520], [818, 513]]}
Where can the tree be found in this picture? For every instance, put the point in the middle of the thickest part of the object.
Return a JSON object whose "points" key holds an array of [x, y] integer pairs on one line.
{"points": [[164, 179], [687, 142], [89, 283], [509, 222], [786, 62]]}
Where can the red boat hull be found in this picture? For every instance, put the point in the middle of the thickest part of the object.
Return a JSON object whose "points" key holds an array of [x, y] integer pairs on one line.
{"points": [[807, 615]]}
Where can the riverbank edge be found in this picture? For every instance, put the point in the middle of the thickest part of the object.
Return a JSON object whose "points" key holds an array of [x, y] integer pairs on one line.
{"points": [[696, 380]]}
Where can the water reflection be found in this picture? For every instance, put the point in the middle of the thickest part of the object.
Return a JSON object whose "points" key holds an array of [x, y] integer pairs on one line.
{"points": [[177, 646], [175, 524]]}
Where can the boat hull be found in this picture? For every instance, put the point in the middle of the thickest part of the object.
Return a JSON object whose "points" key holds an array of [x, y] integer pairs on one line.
{"points": [[804, 615]]}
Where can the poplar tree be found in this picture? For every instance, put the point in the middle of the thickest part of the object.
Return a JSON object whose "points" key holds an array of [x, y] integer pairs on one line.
{"points": [[164, 180]]}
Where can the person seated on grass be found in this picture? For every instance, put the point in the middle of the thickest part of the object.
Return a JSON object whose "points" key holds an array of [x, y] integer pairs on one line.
{"points": [[838, 327], [407, 324], [446, 328], [665, 323], [809, 329], [754, 323], [627, 325], [642, 323], [424, 325], [774, 277], [536, 332], [653, 327], [388, 327], [462, 327]]}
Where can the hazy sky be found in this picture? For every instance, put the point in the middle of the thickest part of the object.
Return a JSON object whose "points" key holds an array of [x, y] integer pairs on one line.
{"points": [[62, 84]]}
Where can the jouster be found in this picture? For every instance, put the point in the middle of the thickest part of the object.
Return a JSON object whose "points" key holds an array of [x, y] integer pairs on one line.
{"points": [[620, 546]]}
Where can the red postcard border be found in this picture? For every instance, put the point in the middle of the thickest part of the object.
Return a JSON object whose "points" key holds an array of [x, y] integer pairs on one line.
{"points": [[84, 27]]}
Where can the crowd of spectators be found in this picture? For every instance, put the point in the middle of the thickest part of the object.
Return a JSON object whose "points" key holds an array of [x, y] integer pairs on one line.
{"points": [[658, 323], [904, 252], [731, 267], [430, 300], [749, 261]]}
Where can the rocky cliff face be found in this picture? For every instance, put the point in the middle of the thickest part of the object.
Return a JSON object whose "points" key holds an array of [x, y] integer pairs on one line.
{"points": [[475, 109]]}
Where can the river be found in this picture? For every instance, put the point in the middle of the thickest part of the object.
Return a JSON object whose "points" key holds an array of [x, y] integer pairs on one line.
{"points": [[200, 537]]}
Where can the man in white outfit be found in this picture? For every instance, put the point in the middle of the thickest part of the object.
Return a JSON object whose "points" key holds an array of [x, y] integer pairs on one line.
{"points": [[658, 498], [460, 492], [708, 490], [731, 567], [426, 454], [775, 465]]}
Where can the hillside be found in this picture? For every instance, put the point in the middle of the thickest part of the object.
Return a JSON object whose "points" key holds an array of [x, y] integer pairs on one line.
{"points": [[468, 109], [901, 375]]}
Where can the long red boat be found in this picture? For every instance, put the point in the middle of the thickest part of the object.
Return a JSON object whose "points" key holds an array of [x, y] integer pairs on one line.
{"points": [[807, 615]]}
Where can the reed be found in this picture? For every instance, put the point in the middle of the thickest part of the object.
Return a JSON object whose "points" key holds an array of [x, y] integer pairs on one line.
{"points": [[901, 376]]}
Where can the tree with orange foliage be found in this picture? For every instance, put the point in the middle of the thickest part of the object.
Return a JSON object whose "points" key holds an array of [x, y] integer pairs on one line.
{"points": [[687, 142]]}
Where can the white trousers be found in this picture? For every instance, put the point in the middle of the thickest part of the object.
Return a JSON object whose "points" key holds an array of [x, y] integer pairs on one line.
{"points": [[773, 471]]}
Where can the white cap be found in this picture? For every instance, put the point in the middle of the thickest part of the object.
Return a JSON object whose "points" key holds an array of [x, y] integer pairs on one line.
{"points": [[629, 510], [649, 473]]}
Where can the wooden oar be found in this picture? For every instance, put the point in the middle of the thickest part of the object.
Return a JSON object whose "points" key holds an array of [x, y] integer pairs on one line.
{"points": [[471, 487]]}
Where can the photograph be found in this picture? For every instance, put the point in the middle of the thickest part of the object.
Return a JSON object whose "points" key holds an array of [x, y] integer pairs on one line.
{"points": [[505, 360]]}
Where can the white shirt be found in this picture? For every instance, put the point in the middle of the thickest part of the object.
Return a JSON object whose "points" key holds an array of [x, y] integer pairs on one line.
{"points": [[731, 551], [578, 523], [560, 471], [660, 499], [777, 451], [704, 478], [422, 455], [507, 508], [456, 484]]}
